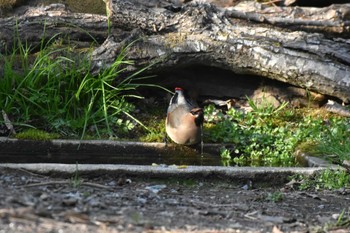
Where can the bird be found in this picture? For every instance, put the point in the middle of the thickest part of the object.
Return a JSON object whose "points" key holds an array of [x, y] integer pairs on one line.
{"points": [[184, 119]]}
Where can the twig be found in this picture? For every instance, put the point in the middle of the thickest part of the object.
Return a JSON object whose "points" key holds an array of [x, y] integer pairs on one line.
{"points": [[273, 3], [250, 215], [200, 203], [96, 185], [30, 173], [68, 182], [270, 2], [8, 123]]}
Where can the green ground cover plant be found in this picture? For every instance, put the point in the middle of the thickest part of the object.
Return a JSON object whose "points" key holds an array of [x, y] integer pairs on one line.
{"points": [[54, 90], [51, 88], [343, 221], [326, 179], [335, 145], [269, 136], [275, 197]]}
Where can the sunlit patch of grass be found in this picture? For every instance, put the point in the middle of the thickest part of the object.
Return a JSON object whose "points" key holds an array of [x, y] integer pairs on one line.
{"points": [[35, 134], [156, 131], [155, 121], [335, 144], [326, 179], [154, 136], [269, 136]]}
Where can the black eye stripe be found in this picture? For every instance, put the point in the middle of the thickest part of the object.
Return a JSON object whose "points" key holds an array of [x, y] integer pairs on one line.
{"points": [[174, 98]]}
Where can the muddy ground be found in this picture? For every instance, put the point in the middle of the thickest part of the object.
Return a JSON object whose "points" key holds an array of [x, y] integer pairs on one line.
{"points": [[113, 203]]}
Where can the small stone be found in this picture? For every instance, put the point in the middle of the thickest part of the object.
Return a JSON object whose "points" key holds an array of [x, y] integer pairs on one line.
{"points": [[346, 163], [156, 188], [44, 196], [70, 202]]}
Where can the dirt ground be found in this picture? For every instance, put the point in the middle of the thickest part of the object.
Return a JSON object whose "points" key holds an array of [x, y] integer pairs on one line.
{"points": [[35, 203]]}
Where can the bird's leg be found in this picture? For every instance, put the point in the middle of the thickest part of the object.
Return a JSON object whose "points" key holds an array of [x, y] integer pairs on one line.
{"points": [[165, 140], [202, 143]]}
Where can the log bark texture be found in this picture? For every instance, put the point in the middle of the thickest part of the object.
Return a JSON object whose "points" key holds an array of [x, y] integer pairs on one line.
{"points": [[203, 34], [55, 20], [334, 19], [261, 42]]}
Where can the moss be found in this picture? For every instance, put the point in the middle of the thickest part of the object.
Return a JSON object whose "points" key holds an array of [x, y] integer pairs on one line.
{"points": [[87, 6], [156, 124], [35, 134], [309, 147], [153, 116], [173, 39]]}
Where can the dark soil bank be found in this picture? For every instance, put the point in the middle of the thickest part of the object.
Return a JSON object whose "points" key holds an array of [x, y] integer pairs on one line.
{"points": [[35, 203]]}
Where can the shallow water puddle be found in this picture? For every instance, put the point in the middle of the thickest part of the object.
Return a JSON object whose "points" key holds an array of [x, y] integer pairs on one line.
{"points": [[109, 152]]}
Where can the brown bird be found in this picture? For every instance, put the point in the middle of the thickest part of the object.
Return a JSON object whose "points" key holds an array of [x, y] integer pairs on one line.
{"points": [[184, 119]]}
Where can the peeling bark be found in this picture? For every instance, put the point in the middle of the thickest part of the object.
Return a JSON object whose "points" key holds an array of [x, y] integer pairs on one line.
{"points": [[202, 34], [333, 19], [49, 21]]}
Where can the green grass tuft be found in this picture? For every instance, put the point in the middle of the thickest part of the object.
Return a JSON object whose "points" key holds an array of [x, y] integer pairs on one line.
{"points": [[54, 90], [326, 179], [269, 136]]}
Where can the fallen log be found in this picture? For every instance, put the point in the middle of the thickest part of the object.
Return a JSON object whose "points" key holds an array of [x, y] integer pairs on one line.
{"points": [[334, 19], [203, 34], [46, 22]]}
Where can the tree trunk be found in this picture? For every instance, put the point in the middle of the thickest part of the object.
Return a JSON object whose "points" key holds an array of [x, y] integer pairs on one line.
{"points": [[301, 46]]}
